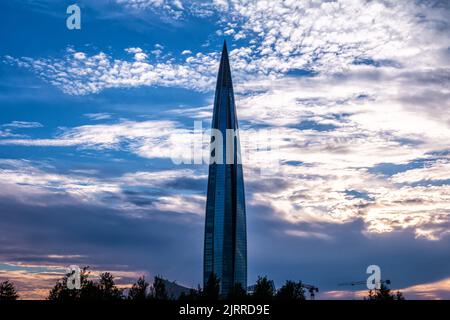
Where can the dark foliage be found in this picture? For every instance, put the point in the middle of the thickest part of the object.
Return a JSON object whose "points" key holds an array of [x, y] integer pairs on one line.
{"points": [[211, 289], [263, 289], [238, 293], [105, 289], [139, 290], [291, 290], [159, 291], [87, 291], [8, 291], [193, 295], [384, 294]]}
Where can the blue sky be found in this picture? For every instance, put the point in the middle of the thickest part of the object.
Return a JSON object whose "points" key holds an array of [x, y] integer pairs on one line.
{"points": [[351, 97]]}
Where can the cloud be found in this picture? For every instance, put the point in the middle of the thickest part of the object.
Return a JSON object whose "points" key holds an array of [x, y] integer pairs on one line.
{"points": [[139, 55], [22, 124], [79, 55], [136, 193], [330, 36], [438, 170], [326, 186], [97, 72], [7, 130], [327, 38], [93, 235], [111, 135], [98, 116], [436, 290], [173, 8], [34, 281], [307, 234]]}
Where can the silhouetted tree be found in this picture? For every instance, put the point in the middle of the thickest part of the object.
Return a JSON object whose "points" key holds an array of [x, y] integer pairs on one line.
{"points": [[8, 291], [237, 292], [61, 292], [264, 288], [139, 290], [159, 291], [107, 288], [384, 294], [192, 295], [291, 290], [399, 296], [211, 289]]}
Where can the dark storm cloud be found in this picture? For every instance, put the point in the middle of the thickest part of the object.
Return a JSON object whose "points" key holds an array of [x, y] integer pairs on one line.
{"points": [[165, 243], [343, 255], [186, 183]]}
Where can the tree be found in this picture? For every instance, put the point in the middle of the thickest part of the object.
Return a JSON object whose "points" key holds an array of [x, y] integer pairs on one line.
{"points": [[159, 289], [237, 292], [192, 295], [61, 292], [8, 291], [291, 290], [399, 296], [107, 288], [384, 294], [264, 288], [211, 289], [139, 290]]}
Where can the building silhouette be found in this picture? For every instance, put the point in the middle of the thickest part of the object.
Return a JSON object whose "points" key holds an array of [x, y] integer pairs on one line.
{"points": [[225, 247]]}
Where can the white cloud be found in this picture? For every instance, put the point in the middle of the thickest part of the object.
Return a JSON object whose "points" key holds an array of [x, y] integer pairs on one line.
{"points": [[22, 124], [229, 32], [439, 170], [330, 36], [34, 183], [133, 50], [7, 130], [172, 8], [320, 189], [98, 116], [308, 234], [137, 135], [98, 72], [79, 55], [326, 38]]}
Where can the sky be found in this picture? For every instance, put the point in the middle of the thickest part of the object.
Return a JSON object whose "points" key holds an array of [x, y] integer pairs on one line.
{"points": [[343, 107]]}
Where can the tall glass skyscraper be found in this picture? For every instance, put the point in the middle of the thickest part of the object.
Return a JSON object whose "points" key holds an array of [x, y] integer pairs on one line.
{"points": [[225, 251]]}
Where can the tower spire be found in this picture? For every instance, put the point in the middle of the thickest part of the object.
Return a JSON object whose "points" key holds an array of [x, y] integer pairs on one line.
{"points": [[224, 76]]}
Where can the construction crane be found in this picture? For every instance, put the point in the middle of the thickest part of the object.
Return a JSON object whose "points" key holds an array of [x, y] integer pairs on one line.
{"points": [[358, 283], [312, 289]]}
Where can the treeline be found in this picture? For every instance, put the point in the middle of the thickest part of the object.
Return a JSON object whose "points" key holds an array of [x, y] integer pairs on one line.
{"points": [[106, 289]]}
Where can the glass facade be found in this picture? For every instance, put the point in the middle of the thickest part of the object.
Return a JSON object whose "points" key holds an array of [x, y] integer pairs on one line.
{"points": [[225, 247]]}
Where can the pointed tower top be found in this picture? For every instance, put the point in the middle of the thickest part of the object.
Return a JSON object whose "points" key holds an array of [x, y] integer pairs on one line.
{"points": [[224, 76]]}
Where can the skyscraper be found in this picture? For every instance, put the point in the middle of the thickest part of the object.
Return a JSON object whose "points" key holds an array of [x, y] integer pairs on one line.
{"points": [[225, 251]]}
